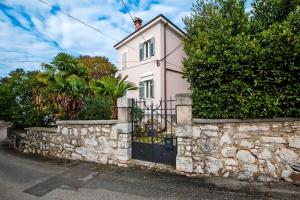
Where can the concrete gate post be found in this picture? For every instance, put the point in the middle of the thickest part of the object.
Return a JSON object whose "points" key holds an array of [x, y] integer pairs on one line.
{"points": [[184, 160], [3, 130], [123, 130]]}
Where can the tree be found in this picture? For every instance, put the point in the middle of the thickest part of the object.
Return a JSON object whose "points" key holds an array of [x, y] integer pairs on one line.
{"points": [[21, 100], [112, 88], [268, 12], [241, 65], [98, 66], [67, 82]]}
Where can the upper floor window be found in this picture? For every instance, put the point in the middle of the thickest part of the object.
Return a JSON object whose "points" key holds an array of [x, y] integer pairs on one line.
{"points": [[147, 49], [124, 60]]}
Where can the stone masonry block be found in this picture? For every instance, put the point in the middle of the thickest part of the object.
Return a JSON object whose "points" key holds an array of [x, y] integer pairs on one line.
{"points": [[124, 154], [184, 114], [124, 102], [184, 131], [184, 164], [183, 99], [122, 128]]}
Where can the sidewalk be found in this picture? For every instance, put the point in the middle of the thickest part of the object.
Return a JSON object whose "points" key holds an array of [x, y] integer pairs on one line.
{"points": [[279, 189]]}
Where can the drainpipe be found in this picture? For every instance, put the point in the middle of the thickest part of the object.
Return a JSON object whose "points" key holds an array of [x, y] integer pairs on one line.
{"points": [[165, 73]]}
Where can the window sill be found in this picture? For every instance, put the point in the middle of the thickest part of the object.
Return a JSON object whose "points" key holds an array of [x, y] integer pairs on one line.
{"points": [[149, 58]]}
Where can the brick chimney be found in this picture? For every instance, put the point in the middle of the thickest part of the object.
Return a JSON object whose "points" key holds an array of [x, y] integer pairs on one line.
{"points": [[137, 23]]}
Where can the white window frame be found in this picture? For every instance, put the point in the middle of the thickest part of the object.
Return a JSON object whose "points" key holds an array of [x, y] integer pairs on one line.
{"points": [[147, 48], [146, 80], [147, 89]]}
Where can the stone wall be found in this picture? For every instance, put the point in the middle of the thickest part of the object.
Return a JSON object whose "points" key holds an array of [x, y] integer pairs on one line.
{"points": [[106, 142], [102, 141], [261, 149]]}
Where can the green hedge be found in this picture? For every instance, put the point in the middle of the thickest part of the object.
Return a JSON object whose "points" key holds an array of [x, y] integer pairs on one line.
{"points": [[242, 66], [98, 108]]}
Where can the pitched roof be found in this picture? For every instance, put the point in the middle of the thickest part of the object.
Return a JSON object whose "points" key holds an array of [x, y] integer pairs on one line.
{"points": [[147, 24]]}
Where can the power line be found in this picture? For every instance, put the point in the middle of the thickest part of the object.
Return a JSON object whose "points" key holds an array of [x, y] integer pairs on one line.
{"points": [[174, 65], [86, 24], [171, 52], [138, 65], [128, 10]]}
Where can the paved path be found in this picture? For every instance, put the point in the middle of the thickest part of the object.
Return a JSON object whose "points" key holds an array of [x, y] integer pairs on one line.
{"points": [[25, 177]]}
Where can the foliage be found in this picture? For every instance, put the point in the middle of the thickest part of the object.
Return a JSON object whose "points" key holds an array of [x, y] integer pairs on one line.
{"points": [[96, 108], [111, 87], [97, 66], [137, 113], [241, 65], [21, 100], [67, 82]]}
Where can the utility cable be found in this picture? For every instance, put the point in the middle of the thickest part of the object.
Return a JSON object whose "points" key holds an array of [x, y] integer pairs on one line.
{"points": [[128, 10], [84, 23]]}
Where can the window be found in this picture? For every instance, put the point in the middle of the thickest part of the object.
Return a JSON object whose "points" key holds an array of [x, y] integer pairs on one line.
{"points": [[146, 89], [124, 60], [147, 49]]}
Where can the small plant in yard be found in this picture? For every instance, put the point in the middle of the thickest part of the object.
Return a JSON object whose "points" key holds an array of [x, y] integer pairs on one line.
{"points": [[96, 108], [137, 113]]}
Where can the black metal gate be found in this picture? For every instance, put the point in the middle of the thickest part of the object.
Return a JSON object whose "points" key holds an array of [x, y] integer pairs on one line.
{"points": [[153, 133]]}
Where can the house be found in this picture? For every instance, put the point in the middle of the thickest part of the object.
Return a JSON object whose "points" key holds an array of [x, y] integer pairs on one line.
{"points": [[152, 57]]}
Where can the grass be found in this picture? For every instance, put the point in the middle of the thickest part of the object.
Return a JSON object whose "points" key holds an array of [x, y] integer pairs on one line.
{"points": [[145, 139]]}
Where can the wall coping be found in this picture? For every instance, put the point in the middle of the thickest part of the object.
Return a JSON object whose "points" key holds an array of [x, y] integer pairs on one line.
{"points": [[46, 129], [5, 124], [221, 121], [86, 122]]}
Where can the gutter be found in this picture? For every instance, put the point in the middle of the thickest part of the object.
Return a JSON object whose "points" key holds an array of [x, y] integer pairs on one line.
{"points": [[165, 72]]}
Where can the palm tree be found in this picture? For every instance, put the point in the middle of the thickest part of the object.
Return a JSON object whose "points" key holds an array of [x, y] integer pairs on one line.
{"points": [[113, 88], [67, 81]]}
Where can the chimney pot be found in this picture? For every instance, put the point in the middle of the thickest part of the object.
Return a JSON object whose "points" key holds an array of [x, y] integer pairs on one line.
{"points": [[137, 23]]}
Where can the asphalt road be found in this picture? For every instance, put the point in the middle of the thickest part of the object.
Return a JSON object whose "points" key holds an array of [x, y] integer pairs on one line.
{"points": [[25, 177]]}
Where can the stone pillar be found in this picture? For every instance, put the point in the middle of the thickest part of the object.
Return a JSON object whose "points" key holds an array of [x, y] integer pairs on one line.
{"points": [[3, 130], [123, 129], [184, 161]]}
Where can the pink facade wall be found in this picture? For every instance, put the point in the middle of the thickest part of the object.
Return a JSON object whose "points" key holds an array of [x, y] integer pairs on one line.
{"points": [[175, 84]]}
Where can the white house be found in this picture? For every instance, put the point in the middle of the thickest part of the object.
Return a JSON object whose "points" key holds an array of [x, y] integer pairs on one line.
{"points": [[152, 57]]}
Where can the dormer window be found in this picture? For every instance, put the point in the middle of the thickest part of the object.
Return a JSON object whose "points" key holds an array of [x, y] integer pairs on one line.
{"points": [[147, 49]]}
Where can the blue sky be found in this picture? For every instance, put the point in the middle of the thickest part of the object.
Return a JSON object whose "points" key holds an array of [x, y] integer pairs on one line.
{"points": [[32, 31]]}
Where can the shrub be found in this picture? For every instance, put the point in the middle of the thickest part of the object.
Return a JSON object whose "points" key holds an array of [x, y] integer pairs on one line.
{"points": [[21, 100], [96, 109], [242, 66]]}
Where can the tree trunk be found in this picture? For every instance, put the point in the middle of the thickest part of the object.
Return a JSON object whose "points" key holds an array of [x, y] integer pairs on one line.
{"points": [[114, 110]]}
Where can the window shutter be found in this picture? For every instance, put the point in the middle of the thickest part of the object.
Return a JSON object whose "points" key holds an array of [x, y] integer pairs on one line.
{"points": [[141, 90], [124, 60], [141, 51], [152, 88], [152, 46]]}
